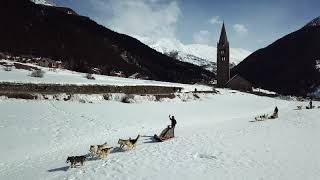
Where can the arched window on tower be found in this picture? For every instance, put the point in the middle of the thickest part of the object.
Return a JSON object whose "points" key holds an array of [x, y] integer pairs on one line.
{"points": [[223, 58], [222, 52]]}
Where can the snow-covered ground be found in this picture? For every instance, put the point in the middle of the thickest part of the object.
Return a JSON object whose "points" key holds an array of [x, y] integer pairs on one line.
{"points": [[318, 65], [61, 76], [214, 139]]}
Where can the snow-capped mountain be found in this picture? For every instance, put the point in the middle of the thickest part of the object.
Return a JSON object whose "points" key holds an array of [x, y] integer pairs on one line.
{"points": [[314, 22], [198, 54], [43, 2]]}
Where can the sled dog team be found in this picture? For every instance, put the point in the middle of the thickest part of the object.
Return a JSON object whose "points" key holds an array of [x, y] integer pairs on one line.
{"points": [[266, 116], [102, 151], [310, 106]]}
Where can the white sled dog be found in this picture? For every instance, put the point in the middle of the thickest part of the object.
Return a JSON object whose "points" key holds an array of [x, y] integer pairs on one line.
{"points": [[130, 143], [94, 149]]}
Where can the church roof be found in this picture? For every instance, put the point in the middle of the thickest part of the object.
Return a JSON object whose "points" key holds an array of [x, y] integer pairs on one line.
{"points": [[223, 36], [237, 77]]}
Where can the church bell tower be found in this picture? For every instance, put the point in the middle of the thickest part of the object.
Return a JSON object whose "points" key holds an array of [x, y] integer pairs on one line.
{"points": [[223, 70]]}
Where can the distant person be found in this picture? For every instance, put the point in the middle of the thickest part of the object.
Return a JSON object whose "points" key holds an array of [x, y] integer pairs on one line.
{"points": [[310, 104], [275, 110], [275, 113], [173, 121]]}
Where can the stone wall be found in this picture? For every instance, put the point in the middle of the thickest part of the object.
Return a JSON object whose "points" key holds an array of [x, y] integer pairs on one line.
{"points": [[84, 89]]}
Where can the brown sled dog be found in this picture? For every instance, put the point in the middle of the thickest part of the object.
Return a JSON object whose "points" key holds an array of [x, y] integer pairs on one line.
{"points": [[103, 153], [130, 143]]}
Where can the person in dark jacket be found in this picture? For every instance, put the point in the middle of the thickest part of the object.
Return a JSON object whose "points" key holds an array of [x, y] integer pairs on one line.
{"points": [[173, 121], [275, 114], [276, 110]]}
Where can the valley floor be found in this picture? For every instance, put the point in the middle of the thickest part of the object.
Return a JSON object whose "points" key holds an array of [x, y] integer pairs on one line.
{"points": [[214, 139]]}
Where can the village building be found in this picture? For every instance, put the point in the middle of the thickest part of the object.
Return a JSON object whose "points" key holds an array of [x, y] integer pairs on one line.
{"points": [[96, 71], [47, 62]]}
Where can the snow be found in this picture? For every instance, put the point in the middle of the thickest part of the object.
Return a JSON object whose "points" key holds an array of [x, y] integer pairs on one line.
{"points": [[62, 76], [264, 91], [316, 93], [214, 139], [201, 51], [315, 22], [43, 2]]}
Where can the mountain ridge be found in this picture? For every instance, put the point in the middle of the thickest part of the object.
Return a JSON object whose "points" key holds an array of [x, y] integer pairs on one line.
{"points": [[60, 33], [288, 65]]}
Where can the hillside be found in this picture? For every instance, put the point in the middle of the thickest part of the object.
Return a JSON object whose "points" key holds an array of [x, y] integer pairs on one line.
{"points": [[61, 34], [290, 65]]}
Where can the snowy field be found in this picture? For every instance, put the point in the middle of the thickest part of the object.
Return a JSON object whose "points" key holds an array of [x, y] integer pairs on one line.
{"points": [[214, 139]]}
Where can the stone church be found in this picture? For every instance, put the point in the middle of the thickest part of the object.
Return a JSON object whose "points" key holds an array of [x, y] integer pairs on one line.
{"points": [[223, 67]]}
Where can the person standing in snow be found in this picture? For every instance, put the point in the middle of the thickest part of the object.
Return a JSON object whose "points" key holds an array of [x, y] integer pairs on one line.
{"points": [[173, 121], [275, 110], [310, 104]]}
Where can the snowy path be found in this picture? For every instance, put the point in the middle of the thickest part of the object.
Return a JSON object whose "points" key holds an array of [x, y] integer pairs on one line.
{"points": [[215, 139]]}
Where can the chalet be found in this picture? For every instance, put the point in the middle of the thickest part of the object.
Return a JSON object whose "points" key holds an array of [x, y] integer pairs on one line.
{"points": [[96, 71], [47, 62], [44, 62]]}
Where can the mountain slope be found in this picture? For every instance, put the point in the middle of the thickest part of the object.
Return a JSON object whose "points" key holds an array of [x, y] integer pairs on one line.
{"points": [[287, 66], [61, 34], [43, 2]]}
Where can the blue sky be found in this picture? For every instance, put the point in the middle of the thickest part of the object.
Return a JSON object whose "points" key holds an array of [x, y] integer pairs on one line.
{"points": [[250, 24]]}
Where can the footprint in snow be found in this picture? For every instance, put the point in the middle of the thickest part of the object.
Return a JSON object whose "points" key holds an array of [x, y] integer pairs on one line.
{"points": [[205, 156]]}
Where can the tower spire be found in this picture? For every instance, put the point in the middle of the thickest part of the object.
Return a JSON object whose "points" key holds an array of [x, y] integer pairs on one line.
{"points": [[223, 70], [223, 35]]}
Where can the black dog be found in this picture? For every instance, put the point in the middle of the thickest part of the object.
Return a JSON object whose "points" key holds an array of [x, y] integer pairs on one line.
{"points": [[75, 159]]}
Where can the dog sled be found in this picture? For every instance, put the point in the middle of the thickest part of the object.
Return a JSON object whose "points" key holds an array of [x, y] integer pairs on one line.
{"points": [[261, 117], [166, 134], [306, 107], [265, 117], [310, 107]]}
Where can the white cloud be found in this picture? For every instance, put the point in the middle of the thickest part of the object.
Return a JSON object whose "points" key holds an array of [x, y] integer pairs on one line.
{"points": [[150, 18], [240, 29], [260, 41], [215, 20], [202, 37]]}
